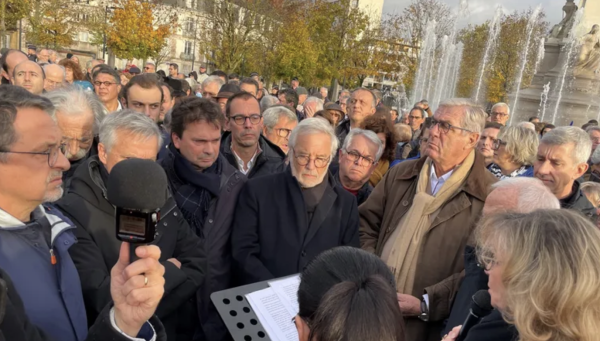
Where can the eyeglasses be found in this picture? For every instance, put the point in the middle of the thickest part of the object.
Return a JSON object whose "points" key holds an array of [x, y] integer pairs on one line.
{"points": [[52, 153], [445, 126], [282, 132], [106, 84], [303, 160], [497, 144], [496, 114], [359, 159], [415, 117], [241, 119]]}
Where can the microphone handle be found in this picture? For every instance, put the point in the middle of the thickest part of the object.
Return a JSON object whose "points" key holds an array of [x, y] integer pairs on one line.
{"points": [[471, 321], [132, 256]]}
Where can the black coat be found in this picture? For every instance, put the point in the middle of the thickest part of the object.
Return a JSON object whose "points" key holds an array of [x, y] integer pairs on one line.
{"points": [[342, 130], [579, 202], [217, 243], [363, 192], [270, 161], [97, 251], [271, 234], [493, 328], [15, 325]]}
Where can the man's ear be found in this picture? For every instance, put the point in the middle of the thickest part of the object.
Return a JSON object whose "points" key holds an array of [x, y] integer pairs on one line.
{"points": [[102, 153], [580, 170], [302, 327]]}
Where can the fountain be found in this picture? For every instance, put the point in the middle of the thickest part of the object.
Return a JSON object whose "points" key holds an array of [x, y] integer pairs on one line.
{"points": [[543, 100], [524, 53], [426, 61], [540, 55], [492, 37]]}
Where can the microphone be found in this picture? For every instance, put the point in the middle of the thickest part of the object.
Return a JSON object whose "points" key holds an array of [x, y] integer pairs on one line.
{"points": [[480, 308], [138, 189]]}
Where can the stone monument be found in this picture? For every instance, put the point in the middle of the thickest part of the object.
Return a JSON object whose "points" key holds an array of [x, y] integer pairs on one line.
{"points": [[566, 87]]}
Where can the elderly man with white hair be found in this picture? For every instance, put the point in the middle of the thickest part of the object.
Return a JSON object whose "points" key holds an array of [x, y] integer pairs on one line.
{"points": [[78, 115], [313, 212], [55, 77], [500, 113], [561, 161], [311, 106], [211, 87], [278, 123], [422, 214]]}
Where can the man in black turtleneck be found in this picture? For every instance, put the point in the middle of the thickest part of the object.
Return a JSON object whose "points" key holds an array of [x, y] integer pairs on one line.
{"points": [[205, 187], [561, 161], [284, 220]]}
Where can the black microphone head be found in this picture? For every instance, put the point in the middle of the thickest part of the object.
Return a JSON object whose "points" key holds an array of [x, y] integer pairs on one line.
{"points": [[137, 184], [482, 303]]}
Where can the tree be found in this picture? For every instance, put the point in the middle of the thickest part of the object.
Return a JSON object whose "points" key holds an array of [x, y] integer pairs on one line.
{"points": [[11, 11], [52, 23], [296, 55], [134, 31]]}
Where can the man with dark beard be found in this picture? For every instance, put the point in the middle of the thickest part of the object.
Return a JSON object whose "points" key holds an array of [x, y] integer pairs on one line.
{"points": [[78, 115]]}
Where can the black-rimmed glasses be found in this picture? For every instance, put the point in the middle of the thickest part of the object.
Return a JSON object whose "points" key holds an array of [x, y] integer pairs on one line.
{"points": [[241, 119], [497, 143], [359, 159], [52, 153], [303, 160], [445, 126]]}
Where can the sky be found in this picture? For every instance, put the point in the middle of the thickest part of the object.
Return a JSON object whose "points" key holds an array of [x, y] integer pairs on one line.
{"points": [[482, 10]]}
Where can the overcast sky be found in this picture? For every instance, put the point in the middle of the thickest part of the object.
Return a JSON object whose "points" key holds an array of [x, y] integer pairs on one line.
{"points": [[482, 10]]}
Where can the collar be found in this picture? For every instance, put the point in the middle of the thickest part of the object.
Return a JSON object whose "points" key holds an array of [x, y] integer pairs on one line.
{"points": [[7, 220], [433, 176], [240, 162]]}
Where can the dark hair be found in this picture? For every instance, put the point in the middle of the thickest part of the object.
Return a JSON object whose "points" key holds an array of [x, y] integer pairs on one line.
{"points": [[233, 76], [585, 126], [539, 126], [547, 125], [194, 75], [251, 82], [349, 294], [193, 109], [419, 110], [175, 66], [77, 72], [185, 86], [533, 118], [593, 122], [171, 90], [219, 73], [494, 125], [240, 95], [105, 69], [379, 123], [161, 73], [145, 81], [290, 96]]}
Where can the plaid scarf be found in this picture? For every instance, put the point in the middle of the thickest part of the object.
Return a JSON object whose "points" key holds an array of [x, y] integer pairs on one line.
{"points": [[195, 190]]}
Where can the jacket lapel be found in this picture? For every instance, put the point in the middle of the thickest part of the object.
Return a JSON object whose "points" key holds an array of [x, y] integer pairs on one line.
{"points": [[321, 213]]}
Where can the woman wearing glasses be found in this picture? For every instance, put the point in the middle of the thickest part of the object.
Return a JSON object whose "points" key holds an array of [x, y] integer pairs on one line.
{"points": [[514, 152], [544, 270]]}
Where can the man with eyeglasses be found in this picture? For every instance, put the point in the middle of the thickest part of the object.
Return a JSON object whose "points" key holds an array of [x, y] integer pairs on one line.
{"points": [[43, 297], [361, 105], [55, 77], [149, 68], [279, 121], [416, 117], [206, 188], [243, 145], [422, 214], [500, 113], [486, 141], [282, 221], [358, 159], [78, 114], [107, 85], [30, 76]]}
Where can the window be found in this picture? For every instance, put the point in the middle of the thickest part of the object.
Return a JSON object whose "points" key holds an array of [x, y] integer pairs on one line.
{"points": [[189, 26], [83, 36], [188, 47]]}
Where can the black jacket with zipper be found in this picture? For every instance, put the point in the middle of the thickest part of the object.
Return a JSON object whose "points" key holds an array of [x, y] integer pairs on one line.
{"points": [[97, 251], [270, 161]]}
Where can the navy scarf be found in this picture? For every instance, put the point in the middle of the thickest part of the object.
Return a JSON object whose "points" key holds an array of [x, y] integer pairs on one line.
{"points": [[194, 195]]}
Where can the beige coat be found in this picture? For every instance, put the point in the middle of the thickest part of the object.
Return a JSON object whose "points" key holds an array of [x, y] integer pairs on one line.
{"points": [[441, 257]]}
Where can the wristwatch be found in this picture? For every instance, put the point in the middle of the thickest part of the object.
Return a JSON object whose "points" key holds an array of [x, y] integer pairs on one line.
{"points": [[424, 316]]}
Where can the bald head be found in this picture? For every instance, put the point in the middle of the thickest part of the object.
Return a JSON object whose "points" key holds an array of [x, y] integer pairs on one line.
{"points": [[10, 60], [30, 76], [55, 77], [519, 195]]}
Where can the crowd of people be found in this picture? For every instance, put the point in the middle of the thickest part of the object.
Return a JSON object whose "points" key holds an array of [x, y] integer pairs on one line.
{"points": [[394, 219]]}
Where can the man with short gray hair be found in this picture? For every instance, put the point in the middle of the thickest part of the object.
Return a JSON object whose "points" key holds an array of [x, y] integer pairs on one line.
{"points": [[358, 159], [313, 212], [561, 160], [55, 77], [421, 215], [211, 87], [311, 106], [500, 113], [324, 91], [278, 123], [127, 134]]}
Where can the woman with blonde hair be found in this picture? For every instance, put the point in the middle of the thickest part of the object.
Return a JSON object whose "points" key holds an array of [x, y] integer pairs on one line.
{"points": [[544, 270], [514, 152]]}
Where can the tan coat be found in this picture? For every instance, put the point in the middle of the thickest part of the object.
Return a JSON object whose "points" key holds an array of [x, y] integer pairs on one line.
{"points": [[441, 257]]}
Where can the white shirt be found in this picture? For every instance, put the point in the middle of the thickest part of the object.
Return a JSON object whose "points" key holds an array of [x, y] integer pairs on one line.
{"points": [[436, 183], [245, 169]]}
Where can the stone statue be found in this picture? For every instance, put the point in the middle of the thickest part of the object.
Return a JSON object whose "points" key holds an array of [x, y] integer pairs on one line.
{"points": [[563, 28], [589, 53]]}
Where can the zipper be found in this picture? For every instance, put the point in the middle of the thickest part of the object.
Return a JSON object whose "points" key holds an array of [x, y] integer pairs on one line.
{"points": [[52, 257]]}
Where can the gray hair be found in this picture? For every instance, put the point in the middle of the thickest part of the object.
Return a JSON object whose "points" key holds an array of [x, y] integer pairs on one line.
{"points": [[317, 100], [309, 126], [590, 129], [130, 121], [526, 125], [268, 101], [272, 115], [51, 52], [501, 105], [521, 144], [324, 87], [474, 116], [47, 66], [592, 191], [374, 103], [595, 159], [213, 79], [565, 135], [344, 98], [369, 135], [532, 194], [73, 100]]}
